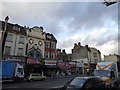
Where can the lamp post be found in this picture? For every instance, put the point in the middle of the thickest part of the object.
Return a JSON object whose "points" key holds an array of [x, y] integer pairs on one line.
{"points": [[3, 37]]}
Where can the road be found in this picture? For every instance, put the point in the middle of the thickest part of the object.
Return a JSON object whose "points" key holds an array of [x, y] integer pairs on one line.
{"points": [[39, 85]]}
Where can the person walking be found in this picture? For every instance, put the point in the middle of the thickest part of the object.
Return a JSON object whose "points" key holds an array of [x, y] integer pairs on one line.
{"points": [[53, 75]]}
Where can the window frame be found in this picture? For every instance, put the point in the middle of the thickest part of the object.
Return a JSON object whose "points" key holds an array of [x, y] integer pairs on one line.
{"points": [[20, 53], [21, 40], [7, 50], [9, 38]]}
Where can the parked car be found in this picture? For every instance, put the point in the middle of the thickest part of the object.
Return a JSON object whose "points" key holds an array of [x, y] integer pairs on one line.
{"points": [[83, 83], [36, 76]]}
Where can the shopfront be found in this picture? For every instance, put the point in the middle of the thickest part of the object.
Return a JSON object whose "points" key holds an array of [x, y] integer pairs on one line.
{"points": [[20, 59], [34, 61], [67, 67], [50, 67]]}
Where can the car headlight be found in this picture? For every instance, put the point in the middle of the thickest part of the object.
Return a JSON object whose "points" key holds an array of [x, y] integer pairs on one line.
{"points": [[107, 81]]}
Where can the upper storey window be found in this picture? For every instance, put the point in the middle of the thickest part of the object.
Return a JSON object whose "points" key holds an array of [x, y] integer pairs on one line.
{"points": [[16, 28], [95, 54], [9, 38], [48, 36], [21, 40]]}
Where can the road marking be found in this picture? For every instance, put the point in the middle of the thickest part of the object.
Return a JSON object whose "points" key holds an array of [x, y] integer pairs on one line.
{"points": [[57, 87]]}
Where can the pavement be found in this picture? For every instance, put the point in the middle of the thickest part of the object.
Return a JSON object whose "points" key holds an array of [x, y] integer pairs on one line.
{"points": [[58, 77]]}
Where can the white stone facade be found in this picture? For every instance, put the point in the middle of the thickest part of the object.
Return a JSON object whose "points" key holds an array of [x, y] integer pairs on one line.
{"points": [[112, 57], [15, 44], [36, 39], [94, 55]]}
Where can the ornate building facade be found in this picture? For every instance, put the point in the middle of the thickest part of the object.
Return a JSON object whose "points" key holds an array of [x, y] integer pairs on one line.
{"points": [[35, 44], [50, 47]]}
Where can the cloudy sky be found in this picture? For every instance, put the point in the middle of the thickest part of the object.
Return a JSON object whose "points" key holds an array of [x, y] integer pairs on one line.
{"points": [[90, 23]]}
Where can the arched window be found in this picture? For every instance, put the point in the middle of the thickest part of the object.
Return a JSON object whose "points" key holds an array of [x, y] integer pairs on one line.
{"points": [[35, 54]]}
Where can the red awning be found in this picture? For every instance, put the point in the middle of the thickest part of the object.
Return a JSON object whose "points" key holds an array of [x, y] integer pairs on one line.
{"points": [[63, 65], [32, 61]]}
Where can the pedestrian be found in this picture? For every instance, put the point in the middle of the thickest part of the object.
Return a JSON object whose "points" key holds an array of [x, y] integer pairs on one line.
{"points": [[53, 75], [87, 71]]}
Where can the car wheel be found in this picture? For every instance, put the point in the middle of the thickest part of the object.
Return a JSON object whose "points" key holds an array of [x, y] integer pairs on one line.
{"points": [[31, 80], [43, 79]]}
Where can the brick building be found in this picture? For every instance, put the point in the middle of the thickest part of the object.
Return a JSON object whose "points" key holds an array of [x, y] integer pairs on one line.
{"points": [[50, 47]]}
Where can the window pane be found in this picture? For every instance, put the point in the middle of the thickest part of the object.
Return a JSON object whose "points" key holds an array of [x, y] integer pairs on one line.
{"points": [[95, 54], [9, 38], [47, 45], [21, 40], [20, 51], [7, 50], [78, 82], [16, 28], [52, 45]]}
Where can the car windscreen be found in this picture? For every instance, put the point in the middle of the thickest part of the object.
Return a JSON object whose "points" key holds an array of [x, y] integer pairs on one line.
{"points": [[34, 74], [103, 73], [77, 82]]}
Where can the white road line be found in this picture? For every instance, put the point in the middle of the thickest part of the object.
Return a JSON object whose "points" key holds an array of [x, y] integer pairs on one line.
{"points": [[57, 87]]}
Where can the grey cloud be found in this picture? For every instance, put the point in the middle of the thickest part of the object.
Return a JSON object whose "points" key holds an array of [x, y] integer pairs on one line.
{"points": [[106, 39], [89, 15], [76, 16], [84, 14], [94, 16], [101, 38]]}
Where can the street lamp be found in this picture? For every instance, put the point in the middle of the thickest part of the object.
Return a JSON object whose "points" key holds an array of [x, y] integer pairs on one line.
{"points": [[4, 34], [6, 20]]}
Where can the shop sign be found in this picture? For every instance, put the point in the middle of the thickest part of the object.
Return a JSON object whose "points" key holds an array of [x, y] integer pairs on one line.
{"points": [[61, 64], [13, 59], [64, 65], [72, 63], [80, 64], [50, 62], [86, 65]]}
